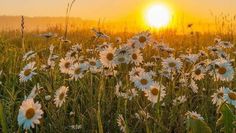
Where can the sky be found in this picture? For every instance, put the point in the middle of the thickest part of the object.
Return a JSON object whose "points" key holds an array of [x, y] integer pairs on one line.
{"points": [[114, 9]]}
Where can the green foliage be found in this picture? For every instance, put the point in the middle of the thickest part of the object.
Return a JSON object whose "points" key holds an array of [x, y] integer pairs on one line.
{"points": [[226, 119], [197, 126]]}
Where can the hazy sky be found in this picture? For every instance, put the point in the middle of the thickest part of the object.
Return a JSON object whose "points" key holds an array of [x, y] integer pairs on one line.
{"points": [[94, 9]]}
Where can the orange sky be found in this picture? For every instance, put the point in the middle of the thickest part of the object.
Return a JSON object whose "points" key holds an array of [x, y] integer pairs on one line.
{"points": [[110, 9]]}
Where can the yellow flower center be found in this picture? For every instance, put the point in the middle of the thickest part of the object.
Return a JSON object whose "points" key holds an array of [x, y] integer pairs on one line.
{"points": [[232, 95], [142, 39], [154, 91], [61, 96], [143, 81], [172, 64], [220, 94], [67, 65], [92, 63], [134, 56], [77, 71], [198, 72], [121, 59], [110, 56], [27, 72], [222, 70], [30, 113]]}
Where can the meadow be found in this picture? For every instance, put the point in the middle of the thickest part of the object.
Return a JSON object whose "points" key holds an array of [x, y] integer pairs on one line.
{"points": [[103, 81]]}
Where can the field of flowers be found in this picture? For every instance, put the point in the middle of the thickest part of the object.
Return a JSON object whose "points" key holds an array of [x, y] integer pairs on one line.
{"points": [[117, 82]]}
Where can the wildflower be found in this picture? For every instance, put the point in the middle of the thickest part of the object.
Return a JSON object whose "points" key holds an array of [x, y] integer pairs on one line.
{"points": [[121, 123], [155, 92], [224, 70], [35, 91], [194, 115], [29, 55], [60, 96], [29, 113], [179, 100], [28, 72], [143, 81], [66, 65], [230, 96], [172, 64], [107, 57], [217, 97]]}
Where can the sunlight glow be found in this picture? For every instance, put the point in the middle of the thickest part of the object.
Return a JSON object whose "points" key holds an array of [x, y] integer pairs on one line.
{"points": [[158, 16]]}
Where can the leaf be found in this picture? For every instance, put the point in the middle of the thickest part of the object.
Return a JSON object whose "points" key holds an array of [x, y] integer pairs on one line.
{"points": [[197, 126], [226, 119]]}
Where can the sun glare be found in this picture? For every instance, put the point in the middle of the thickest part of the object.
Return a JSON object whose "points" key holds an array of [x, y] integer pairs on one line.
{"points": [[158, 16]]}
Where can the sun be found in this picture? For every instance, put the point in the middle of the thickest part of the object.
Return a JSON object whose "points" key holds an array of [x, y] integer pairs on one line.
{"points": [[158, 16]]}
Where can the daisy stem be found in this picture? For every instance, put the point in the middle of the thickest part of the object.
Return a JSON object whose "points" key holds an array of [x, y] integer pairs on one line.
{"points": [[100, 127], [2, 118]]}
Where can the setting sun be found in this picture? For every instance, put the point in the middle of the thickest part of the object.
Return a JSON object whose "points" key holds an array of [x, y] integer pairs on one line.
{"points": [[158, 16]]}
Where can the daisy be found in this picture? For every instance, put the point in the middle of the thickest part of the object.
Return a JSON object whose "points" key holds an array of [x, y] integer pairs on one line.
{"points": [[60, 96], [224, 70], [122, 59], [194, 115], [35, 91], [230, 96], [143, 81], [107, 57], [66, 65], [193, 86], [179, 100], [94, 65], [29, 55], [225, 44], [135, 72], [121, 123], [29, 113], [78, 70], [217, 97], [155, 92], [191, 58], [142, 39], [172, 64], [28, 72], [198, 72]]}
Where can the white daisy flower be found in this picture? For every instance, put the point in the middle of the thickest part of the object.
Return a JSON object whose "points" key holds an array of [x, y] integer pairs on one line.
{"points": [[94, 65], [225, 44], [143, 81], [135, 72], [230, 96], [35, 91], [179, 100], [78, 70], [28, 72], [76, 127], [191, 58], [121, 123], [217, 97], [193, 86], [194, 115], [155, 92], [29, 113], [107, 57], [224, 70], [66, 65], [29, 55], [198, 72], [172, 64], [60, 96], [142, 39]]}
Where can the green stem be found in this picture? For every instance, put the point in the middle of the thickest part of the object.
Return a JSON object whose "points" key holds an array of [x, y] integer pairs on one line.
{"points": [[100, 127], [3, 120]]}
